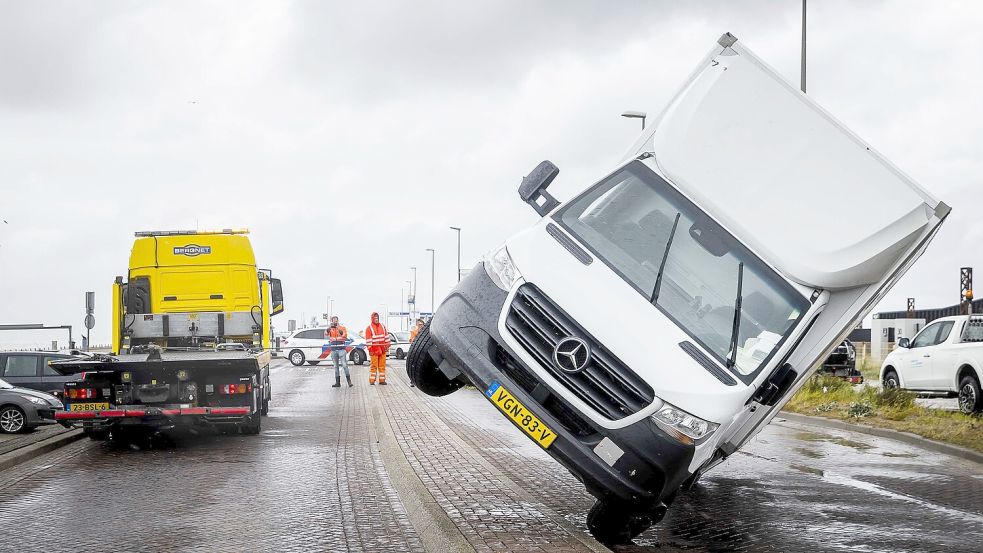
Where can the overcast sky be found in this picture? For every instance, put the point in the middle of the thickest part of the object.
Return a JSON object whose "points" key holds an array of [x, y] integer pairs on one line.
{"points": [[348, 139]]}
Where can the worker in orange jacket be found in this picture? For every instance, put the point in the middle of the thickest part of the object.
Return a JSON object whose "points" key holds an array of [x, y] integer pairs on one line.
{"points": [[377, 339], [416, 330]]}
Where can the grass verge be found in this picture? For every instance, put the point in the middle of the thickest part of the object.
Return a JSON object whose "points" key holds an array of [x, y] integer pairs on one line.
{"points": [[894, 409]]}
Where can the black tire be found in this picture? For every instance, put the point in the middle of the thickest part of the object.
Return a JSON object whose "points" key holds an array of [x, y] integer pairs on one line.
{"points": [[400, 354], [614, 524], [97, 435], [312, 363], [296, 357], [423, 371], [970, 396], [253, 423], [891, 379], [268, 395], [13, 420], [358, 357]]}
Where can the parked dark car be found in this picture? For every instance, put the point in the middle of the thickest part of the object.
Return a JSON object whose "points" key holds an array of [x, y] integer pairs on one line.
{"points": [[23, 410], [30, 369]]}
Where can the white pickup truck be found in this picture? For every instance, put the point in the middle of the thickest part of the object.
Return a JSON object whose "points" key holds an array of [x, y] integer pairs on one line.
{"points": [[946, 356]]}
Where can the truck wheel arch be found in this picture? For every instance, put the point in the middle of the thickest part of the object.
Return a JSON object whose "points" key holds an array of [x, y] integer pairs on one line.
{"points": [[965, 370], [890, 368]]}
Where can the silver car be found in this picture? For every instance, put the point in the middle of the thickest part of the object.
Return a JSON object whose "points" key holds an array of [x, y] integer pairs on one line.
{"points": [[23, 409]]}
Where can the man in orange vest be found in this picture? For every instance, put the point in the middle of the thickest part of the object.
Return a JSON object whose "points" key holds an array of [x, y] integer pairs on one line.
{"points": [[377, 339], [337, 336], [416, 330]]}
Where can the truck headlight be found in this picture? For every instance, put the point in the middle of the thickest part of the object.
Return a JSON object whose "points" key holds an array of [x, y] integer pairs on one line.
{"points": [[500, 268], [681, 425]]}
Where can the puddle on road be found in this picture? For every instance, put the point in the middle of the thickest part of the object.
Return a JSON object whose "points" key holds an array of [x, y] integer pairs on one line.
{"points": [[906, 455], [807, 470], [811, 453], [817, 437]]}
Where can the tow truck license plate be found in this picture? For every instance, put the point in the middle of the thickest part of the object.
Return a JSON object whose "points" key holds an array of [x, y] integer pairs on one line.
{"points": [[88, 406], [520, 415]]}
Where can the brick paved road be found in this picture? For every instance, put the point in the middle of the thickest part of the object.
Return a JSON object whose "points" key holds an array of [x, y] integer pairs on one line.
{"points": [[387, 469]]}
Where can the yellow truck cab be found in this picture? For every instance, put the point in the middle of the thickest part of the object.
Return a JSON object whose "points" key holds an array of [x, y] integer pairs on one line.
{"points": [[194, 289]]}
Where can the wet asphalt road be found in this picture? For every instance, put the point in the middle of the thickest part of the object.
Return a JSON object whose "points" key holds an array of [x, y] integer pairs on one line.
{"points": [[387, 469]]}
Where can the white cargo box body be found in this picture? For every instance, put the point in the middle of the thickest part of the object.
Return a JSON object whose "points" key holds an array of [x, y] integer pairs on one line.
{"points": [[809, 196], [797, 187]]}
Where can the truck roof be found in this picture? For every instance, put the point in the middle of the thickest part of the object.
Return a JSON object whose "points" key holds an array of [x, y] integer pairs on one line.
{"points": [[740, 140], [182, 249]]}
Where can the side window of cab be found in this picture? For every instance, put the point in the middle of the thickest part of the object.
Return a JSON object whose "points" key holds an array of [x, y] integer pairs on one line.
{"points": [[934, 334], [926, 337]]}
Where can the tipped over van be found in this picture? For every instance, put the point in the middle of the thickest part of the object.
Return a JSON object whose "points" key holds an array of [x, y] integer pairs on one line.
{"points": [[645, 329]]}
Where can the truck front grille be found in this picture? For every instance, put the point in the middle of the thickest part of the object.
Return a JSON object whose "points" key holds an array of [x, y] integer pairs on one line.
{"points": [[606, 384]]}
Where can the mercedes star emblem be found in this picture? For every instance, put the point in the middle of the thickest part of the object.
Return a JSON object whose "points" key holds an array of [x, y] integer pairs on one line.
{"points": [[571, 355]]}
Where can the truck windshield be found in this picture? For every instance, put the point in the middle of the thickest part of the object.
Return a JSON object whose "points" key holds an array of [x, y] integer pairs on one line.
{"points": [[627, 221]]}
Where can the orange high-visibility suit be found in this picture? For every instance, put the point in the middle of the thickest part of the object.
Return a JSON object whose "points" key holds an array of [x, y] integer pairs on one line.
{"points": [[377, 339]]}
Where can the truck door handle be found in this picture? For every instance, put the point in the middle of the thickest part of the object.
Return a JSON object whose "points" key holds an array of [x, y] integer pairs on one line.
{"points": [[927, 355]]}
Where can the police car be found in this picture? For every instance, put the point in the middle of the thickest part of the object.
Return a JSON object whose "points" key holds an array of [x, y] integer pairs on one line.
{"points": [[309, 345]]}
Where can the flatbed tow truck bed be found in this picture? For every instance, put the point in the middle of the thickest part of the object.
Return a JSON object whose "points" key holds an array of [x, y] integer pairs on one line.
{"points": [[167, 389]]}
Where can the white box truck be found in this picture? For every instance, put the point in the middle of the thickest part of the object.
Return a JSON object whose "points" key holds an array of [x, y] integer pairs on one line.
{"points": [[647, 328]]}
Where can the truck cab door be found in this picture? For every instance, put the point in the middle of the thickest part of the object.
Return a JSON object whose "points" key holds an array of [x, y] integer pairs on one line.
{"points": [[943, 371], [917, 361]]}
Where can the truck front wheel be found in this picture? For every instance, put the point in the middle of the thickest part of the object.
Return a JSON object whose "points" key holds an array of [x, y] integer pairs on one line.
{"points": [[423, 370], [970, 398], [614, 524], [267, 395]]}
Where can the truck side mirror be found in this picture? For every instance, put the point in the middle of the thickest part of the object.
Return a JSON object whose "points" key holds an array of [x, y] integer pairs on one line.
{"points": [[276, 295], [904, 343], [533, 187]]}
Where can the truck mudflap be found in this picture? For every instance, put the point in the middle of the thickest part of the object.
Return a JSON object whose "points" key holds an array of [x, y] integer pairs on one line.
{"points": [[153, 412]]}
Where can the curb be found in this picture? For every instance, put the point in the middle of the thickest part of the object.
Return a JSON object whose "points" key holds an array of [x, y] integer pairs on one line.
{"points": [[905, 437], [28, 452]]}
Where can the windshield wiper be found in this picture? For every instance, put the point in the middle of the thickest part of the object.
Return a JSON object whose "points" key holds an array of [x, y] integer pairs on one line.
{"points": [[736, 327], [662, 264]]}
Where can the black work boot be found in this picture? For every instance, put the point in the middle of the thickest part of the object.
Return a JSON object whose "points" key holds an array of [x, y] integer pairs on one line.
{"points": [[337, 382], [349, 381]]}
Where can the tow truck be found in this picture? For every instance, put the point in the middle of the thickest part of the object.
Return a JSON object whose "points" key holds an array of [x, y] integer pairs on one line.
{"points": [[190, 342]]}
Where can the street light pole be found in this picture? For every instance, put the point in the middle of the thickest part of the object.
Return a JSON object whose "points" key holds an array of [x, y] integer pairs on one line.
{"points": [[414, 288], [636, 115], [802, 77], [458, 229], [433, 266]]}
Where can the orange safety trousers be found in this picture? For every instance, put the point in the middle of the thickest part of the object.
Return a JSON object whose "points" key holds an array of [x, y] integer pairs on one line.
{"points": [[378, 367]]}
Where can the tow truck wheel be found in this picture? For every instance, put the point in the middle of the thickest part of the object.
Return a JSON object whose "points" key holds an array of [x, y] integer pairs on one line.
{"points": [[97, 435], [266, 399], [613, 524], [254, 422], [358, 357], [296, 357], [423, 371], [970, 398]]}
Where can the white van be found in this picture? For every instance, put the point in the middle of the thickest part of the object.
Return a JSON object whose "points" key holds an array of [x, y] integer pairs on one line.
{"points": [[647, 328]]}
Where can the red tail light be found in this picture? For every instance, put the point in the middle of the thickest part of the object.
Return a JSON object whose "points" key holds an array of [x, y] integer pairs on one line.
{"points": [[240, 388], [80, 393]]}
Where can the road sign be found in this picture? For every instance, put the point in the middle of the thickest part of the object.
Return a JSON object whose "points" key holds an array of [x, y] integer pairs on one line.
{"points": [[90, 321], [90, 303]]}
